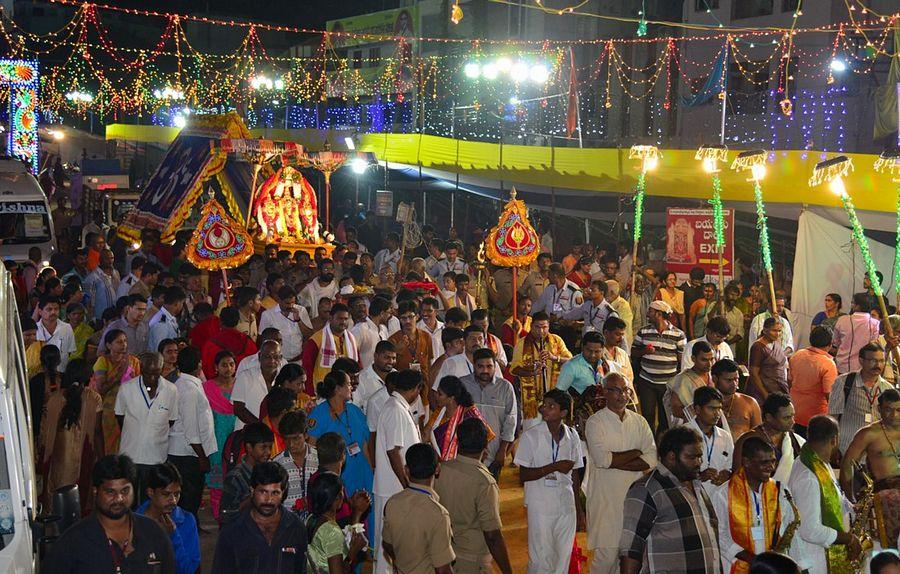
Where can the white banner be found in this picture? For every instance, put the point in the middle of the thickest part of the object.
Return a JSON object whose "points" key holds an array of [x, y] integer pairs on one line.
{"points": [[827, 261]]}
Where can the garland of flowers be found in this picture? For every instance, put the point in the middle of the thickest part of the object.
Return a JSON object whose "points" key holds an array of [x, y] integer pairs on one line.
{"points": [[860, 238], [718, 215], [763, 227], [639, 207]]}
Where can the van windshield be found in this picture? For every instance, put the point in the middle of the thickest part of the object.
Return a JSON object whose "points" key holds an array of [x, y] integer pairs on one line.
{"points": [[24, 222]]}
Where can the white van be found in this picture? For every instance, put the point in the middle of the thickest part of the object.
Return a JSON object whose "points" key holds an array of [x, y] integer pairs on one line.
{"points": [[25, 219], [17, 473]]}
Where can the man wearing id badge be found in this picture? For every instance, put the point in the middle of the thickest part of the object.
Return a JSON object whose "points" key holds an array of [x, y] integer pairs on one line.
{"points": [[854, 396], [547, 456], [752, 509]]}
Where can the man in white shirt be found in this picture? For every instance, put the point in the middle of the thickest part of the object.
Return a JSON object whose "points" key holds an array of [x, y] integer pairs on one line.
{"points": [[369, 327], [396, 432], [325, 285], [252, 385], [146, 409], [811, 476], [454, 317], [289, 318], [450, 262], [52, 331], [718, 446], [560, 296], [717, 330], [371, 379], [462, 364], [390, 255], [193, 436], [164, 325], [429, 321], [125, 285], [621, 448]]}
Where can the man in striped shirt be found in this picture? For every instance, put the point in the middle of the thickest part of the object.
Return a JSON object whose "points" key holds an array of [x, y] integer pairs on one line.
{"points": [[659, 345]]}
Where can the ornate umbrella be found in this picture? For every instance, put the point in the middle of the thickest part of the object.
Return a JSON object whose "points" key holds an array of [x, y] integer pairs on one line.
{"points": [[328, 162]]}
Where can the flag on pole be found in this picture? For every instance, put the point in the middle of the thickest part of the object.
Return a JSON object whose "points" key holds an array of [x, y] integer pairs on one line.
{"points": [[572, 112]]}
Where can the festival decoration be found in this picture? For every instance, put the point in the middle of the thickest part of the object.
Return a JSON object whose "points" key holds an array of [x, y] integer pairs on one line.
{"points": [[649, 156], [21, 77], [513, 242], [328, 162], [710, 156], [832, 172], [219, 242], [285, 210], [889, 163], [456, 13], [754, 161]]}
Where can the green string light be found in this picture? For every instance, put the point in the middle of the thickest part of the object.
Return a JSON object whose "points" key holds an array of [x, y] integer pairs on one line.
{"points": [[763, 227], [639, 206], [718, 215], [863, 243]]}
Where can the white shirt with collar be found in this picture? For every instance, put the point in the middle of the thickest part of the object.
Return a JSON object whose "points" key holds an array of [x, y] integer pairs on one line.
{"points": [[437, 346], [146, 428], [195, 419], [249, 388], [535, 451], [163, 326], [125, 285], [556, 301], [455, 366], [291, 335], [368, 335], [313, 292], [387, 257], [63, 338], [369, 384], [718, 451], [396, 428], [723, 351]]}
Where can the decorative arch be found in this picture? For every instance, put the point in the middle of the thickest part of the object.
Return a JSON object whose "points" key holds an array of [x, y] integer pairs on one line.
{"points": [[22, 140]]}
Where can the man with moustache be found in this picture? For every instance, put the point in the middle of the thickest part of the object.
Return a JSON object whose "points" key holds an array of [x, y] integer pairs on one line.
{"points": [[669, 523], [265, 537], [112, 539]]}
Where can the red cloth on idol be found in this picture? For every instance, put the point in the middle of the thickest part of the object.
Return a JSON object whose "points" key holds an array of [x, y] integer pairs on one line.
{"points": [[233, 340]]}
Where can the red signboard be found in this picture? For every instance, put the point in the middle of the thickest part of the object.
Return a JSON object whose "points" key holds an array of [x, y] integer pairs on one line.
{"points": [[691, 242]]}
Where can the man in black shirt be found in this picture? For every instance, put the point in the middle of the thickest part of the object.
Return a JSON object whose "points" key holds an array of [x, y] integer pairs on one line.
{"points": [[265, 537], [693, 289], [112, 539]]}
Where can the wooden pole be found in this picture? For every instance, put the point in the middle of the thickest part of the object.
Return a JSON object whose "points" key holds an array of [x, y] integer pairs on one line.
{"points": [[327, 200], [515, 305], [771, 289], [722, 279], [225, 286], [256, 168]]}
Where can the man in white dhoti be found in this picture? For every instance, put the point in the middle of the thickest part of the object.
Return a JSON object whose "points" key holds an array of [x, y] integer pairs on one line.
{"points": [[823, 541], [621, 447]]}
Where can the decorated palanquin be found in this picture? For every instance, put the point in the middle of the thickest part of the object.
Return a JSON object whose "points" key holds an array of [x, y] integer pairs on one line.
{"points": [[218, 241], [286, 210], [513, 242]]}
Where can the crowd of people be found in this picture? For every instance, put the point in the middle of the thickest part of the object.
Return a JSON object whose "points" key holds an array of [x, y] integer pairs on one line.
{"points": [[348, 407]]}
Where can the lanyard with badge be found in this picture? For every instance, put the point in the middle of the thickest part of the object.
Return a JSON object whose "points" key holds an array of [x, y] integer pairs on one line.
{"points": [[557, 302], [757, 529], [145, 393], [709, 449], [551, 480], [871, 398], [352, 446]]}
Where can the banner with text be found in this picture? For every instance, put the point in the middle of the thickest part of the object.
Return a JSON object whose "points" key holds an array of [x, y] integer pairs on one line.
{"points": [[691, 242]]}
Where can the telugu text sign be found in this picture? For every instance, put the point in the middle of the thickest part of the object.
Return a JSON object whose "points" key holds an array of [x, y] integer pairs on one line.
{"points": [[691, 241]]}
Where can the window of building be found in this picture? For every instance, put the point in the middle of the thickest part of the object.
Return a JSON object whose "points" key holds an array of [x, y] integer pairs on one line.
{"points": [[752, 8], [704, 5], [748, 88], [790, 5], [357, 59], [374, 57]]}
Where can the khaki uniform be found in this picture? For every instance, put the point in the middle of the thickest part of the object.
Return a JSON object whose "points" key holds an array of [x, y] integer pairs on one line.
{"points": [[418, 529], [472, 498]]}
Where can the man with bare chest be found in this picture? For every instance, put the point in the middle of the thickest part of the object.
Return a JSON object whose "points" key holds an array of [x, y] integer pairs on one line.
{"points": [[740, 412], [880, 443], [265, 537]]}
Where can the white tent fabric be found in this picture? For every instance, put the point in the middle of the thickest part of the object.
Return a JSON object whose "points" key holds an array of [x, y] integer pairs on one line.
{"points": [[828, 261]]}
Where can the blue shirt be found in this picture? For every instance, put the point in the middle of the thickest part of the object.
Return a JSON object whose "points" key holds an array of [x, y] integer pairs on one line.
{"points": [[351, 424], [185, 540], [99, 288], [578, 374]]}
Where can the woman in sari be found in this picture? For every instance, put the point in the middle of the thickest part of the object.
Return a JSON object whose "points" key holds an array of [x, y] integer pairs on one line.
{"points": [[71, 439], [456, 405], [218, 393], [43, 384], [113, 368]]}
